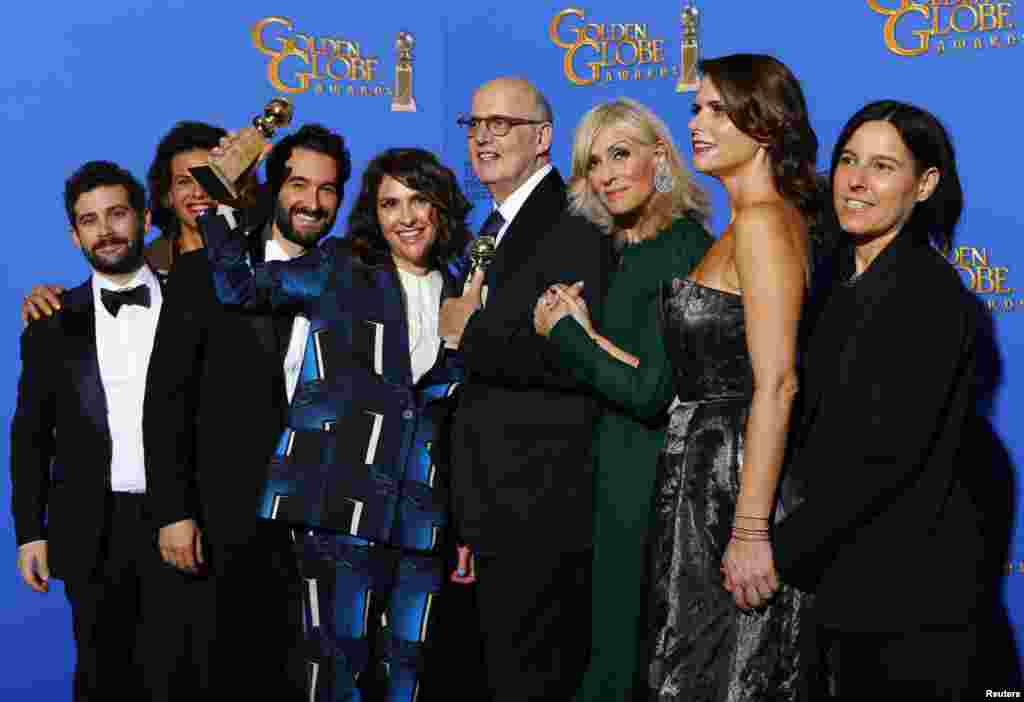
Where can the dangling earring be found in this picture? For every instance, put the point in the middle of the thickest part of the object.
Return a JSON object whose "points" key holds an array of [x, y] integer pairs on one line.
{"points": [[664, 182]]}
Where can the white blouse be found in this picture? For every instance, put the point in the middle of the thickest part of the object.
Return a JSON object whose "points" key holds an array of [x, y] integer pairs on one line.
{"points": [[422, 307]]}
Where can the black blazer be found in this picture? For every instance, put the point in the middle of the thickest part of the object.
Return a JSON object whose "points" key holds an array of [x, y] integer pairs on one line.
{"points": [[60, 438], [215, 408], [887, 533], [521, 473]]}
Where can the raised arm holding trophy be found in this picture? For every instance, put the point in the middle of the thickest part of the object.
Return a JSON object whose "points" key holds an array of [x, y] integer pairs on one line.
{"points": [[222, 176]]}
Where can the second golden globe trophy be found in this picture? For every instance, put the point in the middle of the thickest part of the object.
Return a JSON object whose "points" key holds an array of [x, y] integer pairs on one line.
{"points": [[481, 253], [689, 80], [220, 177]]}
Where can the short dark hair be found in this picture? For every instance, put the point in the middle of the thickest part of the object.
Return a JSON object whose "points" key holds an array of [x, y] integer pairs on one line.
{"points": [[764, 100], [184, 137], [98, 174], [928, 141], [314, 137], [419, 170]]}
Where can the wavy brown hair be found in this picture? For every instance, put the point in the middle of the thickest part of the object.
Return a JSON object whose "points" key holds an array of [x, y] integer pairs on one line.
{"points": [[764, 100], [419, 170]]}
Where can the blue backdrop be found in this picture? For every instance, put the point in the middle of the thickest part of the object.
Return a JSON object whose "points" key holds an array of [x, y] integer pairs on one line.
{"points": [[107, 79]]}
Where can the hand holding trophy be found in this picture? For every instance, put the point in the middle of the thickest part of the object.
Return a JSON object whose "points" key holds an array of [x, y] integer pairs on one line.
{"points": [[221, 177], [481, 253]]}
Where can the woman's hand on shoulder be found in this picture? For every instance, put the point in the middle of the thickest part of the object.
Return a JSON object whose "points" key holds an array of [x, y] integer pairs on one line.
{"points": [[42, 301]]}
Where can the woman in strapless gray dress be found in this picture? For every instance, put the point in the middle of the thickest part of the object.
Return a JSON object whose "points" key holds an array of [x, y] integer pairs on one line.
{"points": [[722, 627]]}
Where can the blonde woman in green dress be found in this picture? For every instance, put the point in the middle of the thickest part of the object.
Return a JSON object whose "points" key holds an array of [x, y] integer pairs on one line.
{"points": [[628, 178]]}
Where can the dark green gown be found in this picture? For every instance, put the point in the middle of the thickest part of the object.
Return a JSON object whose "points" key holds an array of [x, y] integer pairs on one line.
{"points": [[626, 443]]}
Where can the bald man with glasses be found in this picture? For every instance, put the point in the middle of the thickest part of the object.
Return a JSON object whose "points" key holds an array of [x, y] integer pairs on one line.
{"points": [[522, 431]]}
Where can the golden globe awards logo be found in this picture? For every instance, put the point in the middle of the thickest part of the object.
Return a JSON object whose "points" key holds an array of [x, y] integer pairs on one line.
{"points": [[472, 188], [322, 65], [937, 26], [600, 53], [983, 275]]}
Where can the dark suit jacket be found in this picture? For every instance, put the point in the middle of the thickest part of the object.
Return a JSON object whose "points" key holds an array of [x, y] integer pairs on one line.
{"points": [[887, 533], [215, 407], [60, 438], [521, 473]]}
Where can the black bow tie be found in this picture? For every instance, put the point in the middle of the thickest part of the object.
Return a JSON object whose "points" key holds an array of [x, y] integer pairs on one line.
{"points": [[113, 300]]}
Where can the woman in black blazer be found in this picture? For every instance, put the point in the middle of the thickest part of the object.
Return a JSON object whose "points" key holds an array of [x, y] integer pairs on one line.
{"points": [[887, 534]]}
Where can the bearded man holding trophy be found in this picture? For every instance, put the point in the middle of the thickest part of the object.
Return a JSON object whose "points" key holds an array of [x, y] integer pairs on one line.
{"points": [[359, 469]]}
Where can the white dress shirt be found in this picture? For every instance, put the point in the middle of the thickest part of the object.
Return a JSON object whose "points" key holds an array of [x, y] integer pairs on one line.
{"points": [[123, 346], [514, 202], [422, 306], [273, 251]]}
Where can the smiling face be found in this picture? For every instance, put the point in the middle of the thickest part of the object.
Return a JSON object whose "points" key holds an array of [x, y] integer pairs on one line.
{"points": [[719, 147], [186, 197], [876, 183], [308, 202], [621, 169], [506, 162], [108, 230], [408, 221]]}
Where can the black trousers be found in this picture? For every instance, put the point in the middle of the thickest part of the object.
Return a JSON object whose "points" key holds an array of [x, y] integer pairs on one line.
{"points": [[257, 619], [535, 620], [917, 665], [138, 623]]}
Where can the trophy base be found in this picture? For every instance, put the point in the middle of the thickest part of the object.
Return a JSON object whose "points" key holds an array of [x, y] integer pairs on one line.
{"points": [[408, 105], [215, 185]]}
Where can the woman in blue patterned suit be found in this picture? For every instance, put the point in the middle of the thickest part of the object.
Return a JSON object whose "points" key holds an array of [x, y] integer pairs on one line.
{"points": [[354, 468]]}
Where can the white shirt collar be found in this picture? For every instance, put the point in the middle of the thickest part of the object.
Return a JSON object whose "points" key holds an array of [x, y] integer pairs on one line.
{"points": [[273, 251], [514, 202]]}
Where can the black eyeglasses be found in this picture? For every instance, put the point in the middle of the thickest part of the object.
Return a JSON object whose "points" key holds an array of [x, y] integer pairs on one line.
{"points": [[498, 125]]}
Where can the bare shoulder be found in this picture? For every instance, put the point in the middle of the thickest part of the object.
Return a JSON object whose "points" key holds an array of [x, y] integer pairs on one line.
{"points": [[764, 219], [770, 227]]}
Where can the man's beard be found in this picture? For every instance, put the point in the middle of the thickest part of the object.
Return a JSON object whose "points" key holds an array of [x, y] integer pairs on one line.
{"points": [[128, 262], [283, 220]]}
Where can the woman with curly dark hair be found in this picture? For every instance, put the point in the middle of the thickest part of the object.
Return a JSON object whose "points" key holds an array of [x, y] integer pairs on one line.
{"points": [[358, 467], [720, 626]]}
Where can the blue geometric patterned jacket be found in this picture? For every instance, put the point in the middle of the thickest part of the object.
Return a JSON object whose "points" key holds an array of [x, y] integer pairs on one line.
{"points": [[357, 457]]}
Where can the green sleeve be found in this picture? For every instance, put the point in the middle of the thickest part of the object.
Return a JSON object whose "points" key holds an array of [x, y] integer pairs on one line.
{"points": [[647, 390], [642, 392]]}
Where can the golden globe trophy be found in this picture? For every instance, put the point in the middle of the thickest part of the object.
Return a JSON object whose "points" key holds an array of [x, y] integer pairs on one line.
{"points": [[220, 177], [481, 253], [689, 79], [402, 99]]}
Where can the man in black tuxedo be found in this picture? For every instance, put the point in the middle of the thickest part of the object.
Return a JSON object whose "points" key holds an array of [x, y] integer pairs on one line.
{"points": [[78, 474], [522, 431], [218, 407]]}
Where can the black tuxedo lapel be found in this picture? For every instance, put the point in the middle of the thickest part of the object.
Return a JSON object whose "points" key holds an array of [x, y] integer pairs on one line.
{"points": [[391, 284], [273, 329], [543, 207], [79, 323]]}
